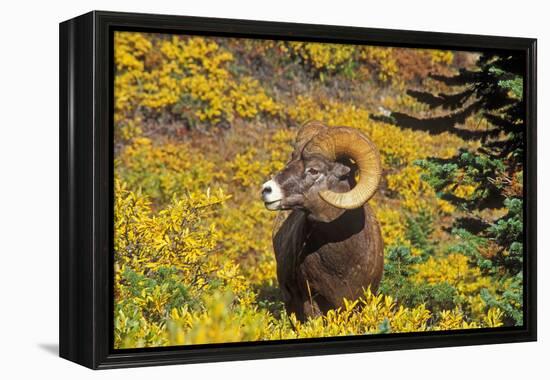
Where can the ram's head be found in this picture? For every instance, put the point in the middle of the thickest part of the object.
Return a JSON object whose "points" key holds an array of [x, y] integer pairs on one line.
{"points": [[336, 166]]}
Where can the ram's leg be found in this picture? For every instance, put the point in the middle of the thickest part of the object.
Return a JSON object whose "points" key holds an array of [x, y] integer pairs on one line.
{"points": [[311, 309]]}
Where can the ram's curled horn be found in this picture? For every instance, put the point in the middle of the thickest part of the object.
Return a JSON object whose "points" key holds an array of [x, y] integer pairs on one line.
{"points": [[339, 142], [307, 131]]}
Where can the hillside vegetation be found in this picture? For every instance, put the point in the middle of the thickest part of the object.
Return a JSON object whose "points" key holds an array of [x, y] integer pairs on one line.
{"points": [[201, 123]]}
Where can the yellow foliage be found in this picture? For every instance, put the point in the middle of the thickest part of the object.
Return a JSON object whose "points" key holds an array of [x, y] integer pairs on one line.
{"points": [[415, 193], [455, 270], [494, 317], [383, 57], [192, 71], [441, 56], [219, 323], [256, 163], [256, 253], [130, 49], [453, 320], [165, 170], [463, 190], [222, 321], [468, 281], [178, 236], [323, 55]]}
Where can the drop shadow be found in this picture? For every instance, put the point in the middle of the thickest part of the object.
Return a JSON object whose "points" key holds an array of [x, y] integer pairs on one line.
{"points": [[51, 348]]}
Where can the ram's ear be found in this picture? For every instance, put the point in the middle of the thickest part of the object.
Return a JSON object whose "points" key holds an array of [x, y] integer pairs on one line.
{"points": [[340, 170]]}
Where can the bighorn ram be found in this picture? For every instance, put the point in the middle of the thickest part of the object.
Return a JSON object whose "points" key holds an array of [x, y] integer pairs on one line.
{"points": [[328, 244]]}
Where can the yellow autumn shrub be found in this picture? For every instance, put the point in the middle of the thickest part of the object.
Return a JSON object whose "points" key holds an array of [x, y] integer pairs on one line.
{"points": [[192, 71], [223, 321], [382, 57], [323, 56], [164, 170], [416, 194]]}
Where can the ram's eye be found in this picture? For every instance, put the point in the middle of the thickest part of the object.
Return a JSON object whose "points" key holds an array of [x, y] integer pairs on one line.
{"points": [[312, 171]]}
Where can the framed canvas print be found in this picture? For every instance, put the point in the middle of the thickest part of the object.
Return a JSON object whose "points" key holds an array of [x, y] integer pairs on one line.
{"points": [[236, 189]]}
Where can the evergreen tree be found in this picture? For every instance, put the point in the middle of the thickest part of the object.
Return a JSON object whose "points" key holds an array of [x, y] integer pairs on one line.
{"points": [[492, 94]]}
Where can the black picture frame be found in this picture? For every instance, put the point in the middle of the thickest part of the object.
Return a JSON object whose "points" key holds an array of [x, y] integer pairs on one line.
{"points": [[86, 188]]}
